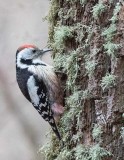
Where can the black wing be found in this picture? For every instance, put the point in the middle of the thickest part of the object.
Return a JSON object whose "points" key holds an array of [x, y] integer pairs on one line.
{"points": [[22, 77], [36, 92], [43, 106]]}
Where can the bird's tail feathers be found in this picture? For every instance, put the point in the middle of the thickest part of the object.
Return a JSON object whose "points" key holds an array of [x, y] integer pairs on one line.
{"points": [[54, 128]]}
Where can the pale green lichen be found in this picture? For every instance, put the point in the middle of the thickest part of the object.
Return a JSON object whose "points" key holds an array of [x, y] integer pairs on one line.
{"points": [[97, 153], [108, 81], [69, 65], [122, 133], [49, 152], [72, 114], [109, 32], [90, 67], [68, 118], [76, 137], [81, 31], [82, 2], [111, 1], [98, 9], [114, 18], [65, 155], [111, 48], [86, 94], [60, 62], [94, 152], [75, 99], [60, 35], [97, 131], [52, 20], [75, 109], [72, 68], [72, 1], [71, 13], [81, 152]]}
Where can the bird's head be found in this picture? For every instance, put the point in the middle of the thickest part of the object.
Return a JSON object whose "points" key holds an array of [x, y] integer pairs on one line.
{"points": [[25, 54]]}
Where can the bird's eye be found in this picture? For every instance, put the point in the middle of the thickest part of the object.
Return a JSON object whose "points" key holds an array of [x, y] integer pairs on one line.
{"points": [[34, 50]]}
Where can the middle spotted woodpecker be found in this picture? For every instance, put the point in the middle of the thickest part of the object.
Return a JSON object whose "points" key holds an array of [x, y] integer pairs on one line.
{"points": [[39, 83]]}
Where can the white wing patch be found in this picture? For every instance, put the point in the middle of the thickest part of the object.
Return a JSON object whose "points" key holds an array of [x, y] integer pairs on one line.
{"points": [[42, 105], [32, 90]]}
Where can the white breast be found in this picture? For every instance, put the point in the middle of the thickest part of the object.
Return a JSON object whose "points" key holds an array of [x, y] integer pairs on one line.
{"points": [[48, 76]]}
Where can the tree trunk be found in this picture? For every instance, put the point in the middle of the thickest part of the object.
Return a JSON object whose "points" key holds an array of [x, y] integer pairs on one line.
{"points": [[87, 38]]}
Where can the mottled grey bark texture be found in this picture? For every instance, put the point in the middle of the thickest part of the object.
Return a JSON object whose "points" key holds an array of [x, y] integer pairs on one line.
{"points": [[91, 34]]}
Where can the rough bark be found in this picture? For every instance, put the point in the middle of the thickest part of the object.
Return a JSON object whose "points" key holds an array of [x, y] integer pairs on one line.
{"points": [[95, 97]]}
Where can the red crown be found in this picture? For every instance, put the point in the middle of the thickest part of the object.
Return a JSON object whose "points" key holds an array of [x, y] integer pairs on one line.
{"points": [[26, 46]]}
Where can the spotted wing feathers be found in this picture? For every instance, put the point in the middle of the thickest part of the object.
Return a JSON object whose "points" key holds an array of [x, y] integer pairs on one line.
{"points": [[49, 78], [39, 98]]}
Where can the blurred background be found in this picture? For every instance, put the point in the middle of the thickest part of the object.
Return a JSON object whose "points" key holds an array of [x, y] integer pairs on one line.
{"points": [[22, 130]]}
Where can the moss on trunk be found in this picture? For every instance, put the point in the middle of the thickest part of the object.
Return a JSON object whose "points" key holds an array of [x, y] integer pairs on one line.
{"points": [[87, 39]]}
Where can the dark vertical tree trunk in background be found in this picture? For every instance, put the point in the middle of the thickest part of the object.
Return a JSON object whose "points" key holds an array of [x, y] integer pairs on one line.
{"points": [[92, 42]]}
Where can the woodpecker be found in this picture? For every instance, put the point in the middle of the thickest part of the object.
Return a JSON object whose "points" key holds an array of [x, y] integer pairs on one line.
{"points": [[39, 83]]}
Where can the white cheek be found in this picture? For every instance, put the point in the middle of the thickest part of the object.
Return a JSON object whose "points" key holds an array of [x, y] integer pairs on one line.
{"points": [[32, 90], [18, 63], [24, 54]]}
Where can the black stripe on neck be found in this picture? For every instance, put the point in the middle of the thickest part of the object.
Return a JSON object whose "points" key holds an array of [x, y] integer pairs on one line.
{"points": [[29, 62], [37, 64], [26, 61]]}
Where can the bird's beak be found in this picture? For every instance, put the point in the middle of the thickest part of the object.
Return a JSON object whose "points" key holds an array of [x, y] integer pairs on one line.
{"points": [[46, 50], [41, 52]]}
